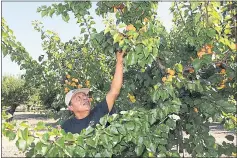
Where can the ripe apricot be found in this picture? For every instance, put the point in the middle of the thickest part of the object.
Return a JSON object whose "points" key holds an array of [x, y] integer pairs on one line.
{"points": [[115, 9], [191, 70], [66, 90], [164, 79], [87, 83], [145, 19], [130, 28], [171, 72], [68, 76], [221, 86], [195, 109], [222, 71], [200, 54]]}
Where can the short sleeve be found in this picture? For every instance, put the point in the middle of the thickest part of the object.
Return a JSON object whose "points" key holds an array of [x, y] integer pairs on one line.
{"points": [[102, 108]]}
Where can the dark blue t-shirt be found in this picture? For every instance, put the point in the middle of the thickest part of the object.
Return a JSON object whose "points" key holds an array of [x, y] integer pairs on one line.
{"points": [[75, 125]]}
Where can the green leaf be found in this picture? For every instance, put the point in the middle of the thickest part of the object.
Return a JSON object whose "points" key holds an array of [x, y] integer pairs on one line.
{"points": [[30, 140], [179, 68], [80, 140], [86, 36], [206, 58], [139, 150], [226, 106], [44, 13], [138, 49], [115, 140], [83, 30], [51, 12], [162, 141], [38, 9], [162, 149], [11, 135], [25, 134], [60, 142], [38, 147], [65, 17], [45, 136], [90, 142], [211, 33], [156, 96], [21, 144], [44, 150], [197, 64], [89, 130], [131, 60], [69, 137], [103, 120], [106, 153], [121, 25], [152, 118], [130, 126], [104, 138], [114, 130], [79, 151], [92, 23], [197, 18], [152, 147], [210, 141], [122, 130], [194, 5], [24, 124], [171, 123]]}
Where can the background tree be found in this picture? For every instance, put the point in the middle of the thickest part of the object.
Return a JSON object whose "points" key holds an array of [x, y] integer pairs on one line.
{"points": [[15, 92], [173, 82]]}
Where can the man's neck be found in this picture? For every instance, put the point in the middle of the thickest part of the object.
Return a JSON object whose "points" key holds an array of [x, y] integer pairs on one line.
{"points": [[82, 115]]}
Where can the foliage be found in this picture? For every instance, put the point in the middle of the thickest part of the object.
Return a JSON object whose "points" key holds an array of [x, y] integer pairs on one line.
{"points": [[189, 71], [15, 91]]}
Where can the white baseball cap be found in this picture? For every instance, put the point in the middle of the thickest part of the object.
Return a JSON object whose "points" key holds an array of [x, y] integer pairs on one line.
{"points": [[69, 95]]}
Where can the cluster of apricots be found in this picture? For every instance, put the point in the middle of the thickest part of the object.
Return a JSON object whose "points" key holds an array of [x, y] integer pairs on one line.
{"points": [[132, 98], [170, 75], [222, 72], [119, 7], [207, 49], [74, 83]]}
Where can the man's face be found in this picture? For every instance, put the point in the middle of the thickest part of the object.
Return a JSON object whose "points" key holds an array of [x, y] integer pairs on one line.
{"points": [[80, 102]]}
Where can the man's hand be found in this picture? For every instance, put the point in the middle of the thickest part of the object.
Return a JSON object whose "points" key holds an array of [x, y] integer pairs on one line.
{"points": [[119, 55], [117, 81]]}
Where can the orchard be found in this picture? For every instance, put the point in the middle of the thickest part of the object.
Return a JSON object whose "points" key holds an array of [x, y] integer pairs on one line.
{"points": [[174, 82]]}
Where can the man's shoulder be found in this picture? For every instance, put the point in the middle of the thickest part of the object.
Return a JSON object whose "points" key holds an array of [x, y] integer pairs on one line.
{"points": [[67, 122]]}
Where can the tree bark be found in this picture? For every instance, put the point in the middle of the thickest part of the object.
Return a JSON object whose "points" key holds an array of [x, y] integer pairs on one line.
{"points": [[11, 111]]}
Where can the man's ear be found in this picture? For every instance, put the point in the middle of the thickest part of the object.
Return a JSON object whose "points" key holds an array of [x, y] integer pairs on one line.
{"points": [[70, 108]]}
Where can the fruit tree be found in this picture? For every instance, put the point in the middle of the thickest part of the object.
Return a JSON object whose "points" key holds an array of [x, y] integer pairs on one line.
{"points": [[174, 82]]}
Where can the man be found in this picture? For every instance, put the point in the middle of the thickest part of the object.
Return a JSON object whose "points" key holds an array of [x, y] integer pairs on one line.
{"points": [[78, 102]]}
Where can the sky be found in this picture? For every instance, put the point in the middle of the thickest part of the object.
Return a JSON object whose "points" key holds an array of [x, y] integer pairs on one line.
{"points": [[19, 16]]}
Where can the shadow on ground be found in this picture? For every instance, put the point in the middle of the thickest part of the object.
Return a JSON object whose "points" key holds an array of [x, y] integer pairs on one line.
{"points": [[30, 116]]}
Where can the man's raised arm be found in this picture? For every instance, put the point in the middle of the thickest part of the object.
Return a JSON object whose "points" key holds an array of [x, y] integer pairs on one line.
{"points": [[117, 81]]}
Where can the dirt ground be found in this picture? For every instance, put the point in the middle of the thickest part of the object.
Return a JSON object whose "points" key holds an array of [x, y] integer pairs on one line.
{"points": [[9, 149]]}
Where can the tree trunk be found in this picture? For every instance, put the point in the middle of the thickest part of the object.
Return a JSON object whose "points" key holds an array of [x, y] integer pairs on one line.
{"points": [[11, 111]]}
